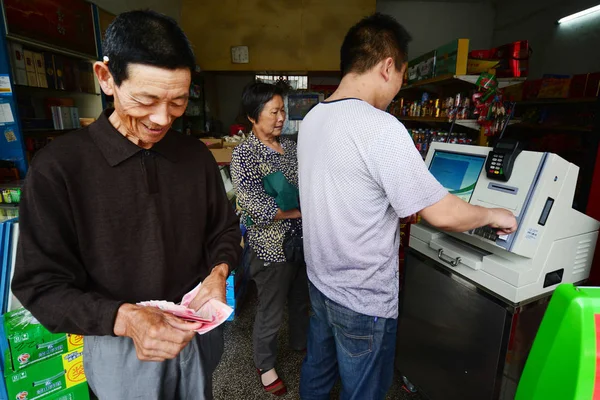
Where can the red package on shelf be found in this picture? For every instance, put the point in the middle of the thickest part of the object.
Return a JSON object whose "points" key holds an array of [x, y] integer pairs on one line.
{"points": [[593, 85], [578, 86], [513, 58], [531, 89]]}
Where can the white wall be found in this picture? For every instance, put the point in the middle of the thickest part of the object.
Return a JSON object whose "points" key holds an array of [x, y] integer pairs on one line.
{"points": [[171, 8], [570, 48], [433, 24]]}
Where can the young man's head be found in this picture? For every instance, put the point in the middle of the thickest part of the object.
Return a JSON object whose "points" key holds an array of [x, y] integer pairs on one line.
{"points": [[147, 68], [377, 46]]}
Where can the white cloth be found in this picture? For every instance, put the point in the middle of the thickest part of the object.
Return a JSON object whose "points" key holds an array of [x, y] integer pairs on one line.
{"points": [[359, 172]]}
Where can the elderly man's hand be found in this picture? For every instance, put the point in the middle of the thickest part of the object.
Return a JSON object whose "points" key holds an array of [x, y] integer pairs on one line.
{"points": [[157, 335], [213, 287]]}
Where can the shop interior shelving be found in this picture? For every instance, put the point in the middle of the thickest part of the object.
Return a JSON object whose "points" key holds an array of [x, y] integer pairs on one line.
{"points": [[449, 85]]}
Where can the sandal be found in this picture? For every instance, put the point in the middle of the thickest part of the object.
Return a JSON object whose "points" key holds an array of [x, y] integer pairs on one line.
{"points": [[276, 388]]}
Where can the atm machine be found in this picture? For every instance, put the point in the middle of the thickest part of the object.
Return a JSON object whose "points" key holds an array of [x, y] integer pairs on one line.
{"points": [[471, 302]]}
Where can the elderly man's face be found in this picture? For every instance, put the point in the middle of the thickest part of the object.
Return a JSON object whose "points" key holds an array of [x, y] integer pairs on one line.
{"points": [[148, 102]]}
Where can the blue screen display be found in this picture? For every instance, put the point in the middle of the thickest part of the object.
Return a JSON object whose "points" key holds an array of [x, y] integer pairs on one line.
{"points": [[458, 173]]}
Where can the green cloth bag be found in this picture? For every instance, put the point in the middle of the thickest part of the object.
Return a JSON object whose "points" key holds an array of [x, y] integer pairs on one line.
{"points": [[286, 195]]}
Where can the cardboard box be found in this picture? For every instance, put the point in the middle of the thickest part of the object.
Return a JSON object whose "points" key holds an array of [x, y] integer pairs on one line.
{"points": [[422, 67], [213, 143], [77, 392], [222, 156], [476, 67], [554, 87], [578, 85], [230, 145], [452, 58], [29, 342], [531, 89], [56, 378], [512, 58], [514, 92]]}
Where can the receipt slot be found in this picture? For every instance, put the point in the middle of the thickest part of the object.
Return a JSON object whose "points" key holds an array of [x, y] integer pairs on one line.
{"points": [[471, 302]]}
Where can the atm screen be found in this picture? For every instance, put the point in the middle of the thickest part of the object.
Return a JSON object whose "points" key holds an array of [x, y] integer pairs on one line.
{"points": [[458, 173]]}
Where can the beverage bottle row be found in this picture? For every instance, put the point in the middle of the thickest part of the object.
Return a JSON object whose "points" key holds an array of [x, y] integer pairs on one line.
{"points": [[424, 137]]}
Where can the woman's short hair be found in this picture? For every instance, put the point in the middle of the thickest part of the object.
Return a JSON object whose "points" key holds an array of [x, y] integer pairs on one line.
{"points": [[256, 95]]}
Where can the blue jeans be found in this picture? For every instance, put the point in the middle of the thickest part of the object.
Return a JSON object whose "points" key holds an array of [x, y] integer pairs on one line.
{"points": [[342, 343]]}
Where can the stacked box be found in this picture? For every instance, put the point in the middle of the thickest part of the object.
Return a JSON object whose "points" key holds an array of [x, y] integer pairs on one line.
{"points": [[3, 349], [452, 58], [422, 67], [39, 364], [60, 377], [29, 342], [230, 294]]}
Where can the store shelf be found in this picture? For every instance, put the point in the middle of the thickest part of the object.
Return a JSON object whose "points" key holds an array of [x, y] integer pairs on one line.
{"points": [[25, 88], [569, 128], [580, 100], [46, 132], [424, 119], [472, 79], [467, 123]]}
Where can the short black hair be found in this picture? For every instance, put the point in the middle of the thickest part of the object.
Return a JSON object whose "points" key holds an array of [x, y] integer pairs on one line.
{"points": [[149, 38], [371, 40], [256, 95]]}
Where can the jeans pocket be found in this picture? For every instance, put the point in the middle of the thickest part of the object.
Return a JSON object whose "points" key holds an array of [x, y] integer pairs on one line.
{"points": [[353, 331]]}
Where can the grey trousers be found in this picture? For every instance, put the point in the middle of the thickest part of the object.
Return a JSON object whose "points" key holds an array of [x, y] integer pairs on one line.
{"points": [[114, 372], [276, 283]]}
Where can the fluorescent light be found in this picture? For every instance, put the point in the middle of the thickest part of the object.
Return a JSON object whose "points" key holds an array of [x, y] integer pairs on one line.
{"points": [[579, 14]]}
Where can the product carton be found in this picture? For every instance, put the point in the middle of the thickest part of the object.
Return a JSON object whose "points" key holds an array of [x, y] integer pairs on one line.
{"points": [[421, 68], [212, 143], [18, 63], [30, 68], [59, 377], [222, 156], [452, 58], [40, 69], [230, 294], [29, 342]]}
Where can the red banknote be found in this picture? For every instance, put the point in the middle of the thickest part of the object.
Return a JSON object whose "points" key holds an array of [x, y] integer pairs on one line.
{"points": [[211, 314]]}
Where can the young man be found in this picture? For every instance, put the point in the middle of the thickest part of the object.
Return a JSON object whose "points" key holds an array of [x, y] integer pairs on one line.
{"points": [[128, 210], [360, 173]]}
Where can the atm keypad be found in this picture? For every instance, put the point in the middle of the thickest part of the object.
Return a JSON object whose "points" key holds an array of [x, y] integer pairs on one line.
{"points": [[486, 232], [496, 163]]}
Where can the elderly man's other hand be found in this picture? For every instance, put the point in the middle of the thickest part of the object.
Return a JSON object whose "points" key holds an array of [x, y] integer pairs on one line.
{"points": [[157, 336], [213, 287]]}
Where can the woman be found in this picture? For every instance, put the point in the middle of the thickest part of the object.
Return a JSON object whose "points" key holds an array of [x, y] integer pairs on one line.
{"points": [[269, 220]]}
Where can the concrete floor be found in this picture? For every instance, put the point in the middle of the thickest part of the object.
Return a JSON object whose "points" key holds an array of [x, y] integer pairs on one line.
{"points": [[236, 378]]}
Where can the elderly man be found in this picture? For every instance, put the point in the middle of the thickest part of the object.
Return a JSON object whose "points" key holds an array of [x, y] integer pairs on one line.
{"points": [[127, 210]]}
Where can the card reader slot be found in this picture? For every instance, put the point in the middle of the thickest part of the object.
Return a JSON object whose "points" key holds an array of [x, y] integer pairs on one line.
{"points": [[503, 188], [546, 211]]}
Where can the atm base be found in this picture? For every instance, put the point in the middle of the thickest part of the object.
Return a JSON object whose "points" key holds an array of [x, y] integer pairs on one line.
{"points": [[458, 341]]}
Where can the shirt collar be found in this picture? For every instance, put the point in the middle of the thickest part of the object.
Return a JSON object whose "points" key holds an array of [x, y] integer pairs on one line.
{"points": [[116, 148], [256, 142]]}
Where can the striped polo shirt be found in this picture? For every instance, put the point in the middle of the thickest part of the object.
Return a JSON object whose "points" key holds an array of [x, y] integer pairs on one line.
{"points": [[359, 172]]}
